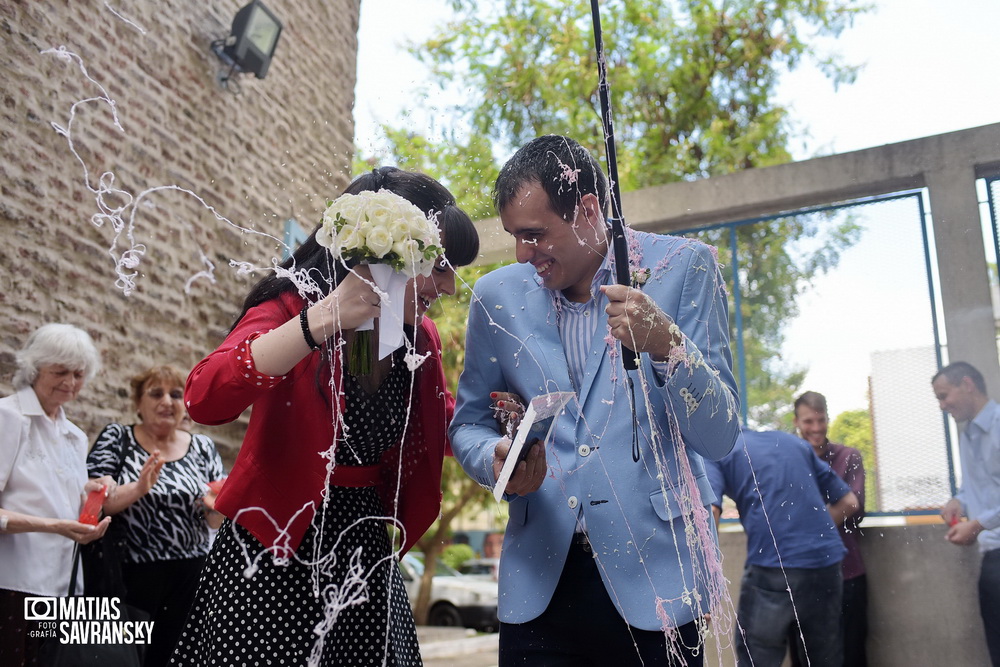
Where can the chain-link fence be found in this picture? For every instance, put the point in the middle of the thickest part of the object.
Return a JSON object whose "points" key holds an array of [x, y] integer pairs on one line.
{"points": [[839, 300]]}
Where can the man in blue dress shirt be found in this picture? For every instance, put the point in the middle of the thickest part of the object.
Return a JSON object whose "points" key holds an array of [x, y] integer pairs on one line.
{"points": [[790, 504]]}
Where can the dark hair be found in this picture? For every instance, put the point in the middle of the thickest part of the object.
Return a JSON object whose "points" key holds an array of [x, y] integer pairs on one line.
{"points": [[564, 169], [459, 235], [811, 399], [962, 369], [457, 231]]}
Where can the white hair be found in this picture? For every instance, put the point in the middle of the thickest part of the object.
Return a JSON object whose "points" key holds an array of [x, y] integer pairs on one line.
{"points": [[61, 344]]}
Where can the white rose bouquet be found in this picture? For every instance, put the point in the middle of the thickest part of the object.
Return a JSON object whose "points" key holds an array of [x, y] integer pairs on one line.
{"points": [[397, 241]]}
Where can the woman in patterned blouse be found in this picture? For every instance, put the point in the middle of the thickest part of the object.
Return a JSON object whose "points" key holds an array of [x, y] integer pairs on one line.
{"points": [[163, 501]]}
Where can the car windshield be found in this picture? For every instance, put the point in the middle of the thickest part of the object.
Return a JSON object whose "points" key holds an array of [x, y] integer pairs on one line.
{"points": [[442, 569], [478, 568]]}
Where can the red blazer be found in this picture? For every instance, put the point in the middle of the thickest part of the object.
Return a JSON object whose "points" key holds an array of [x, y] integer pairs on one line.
{"points": [[275, 486]]}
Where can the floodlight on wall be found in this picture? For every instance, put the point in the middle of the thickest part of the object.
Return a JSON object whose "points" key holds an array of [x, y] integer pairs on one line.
{"points": [[251, 42]]}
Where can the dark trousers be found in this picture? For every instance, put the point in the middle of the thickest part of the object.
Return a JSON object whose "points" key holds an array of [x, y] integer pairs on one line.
{"points": [[853, 621], [165, 590], [582, 627], [854, 617], [774, 601], [989, 602], [17, 648]]}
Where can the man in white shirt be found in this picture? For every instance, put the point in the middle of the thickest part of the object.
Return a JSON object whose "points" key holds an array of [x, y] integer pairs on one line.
{"points": [[961, 391]]}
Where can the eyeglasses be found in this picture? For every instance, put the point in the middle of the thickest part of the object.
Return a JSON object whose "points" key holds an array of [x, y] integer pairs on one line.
{"points": [[156, 393]]}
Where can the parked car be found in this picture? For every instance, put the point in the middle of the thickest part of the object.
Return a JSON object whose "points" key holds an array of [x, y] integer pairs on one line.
{"points": [[456, 600], [480, 567]]}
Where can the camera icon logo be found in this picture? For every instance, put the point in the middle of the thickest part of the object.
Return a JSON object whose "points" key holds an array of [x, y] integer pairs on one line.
{"points": [[40, 609]]}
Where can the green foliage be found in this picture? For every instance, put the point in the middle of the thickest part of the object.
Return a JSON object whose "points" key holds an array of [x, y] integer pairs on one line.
{"points": [[450, 315], [777, 260], [693, 94], [693, 83], [461, 495], [464, 166], [456, 554], [853, 428]]}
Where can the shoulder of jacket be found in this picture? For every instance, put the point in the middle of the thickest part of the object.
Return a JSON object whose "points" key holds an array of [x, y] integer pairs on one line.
{"points": [[507, 276], [665, 245]]}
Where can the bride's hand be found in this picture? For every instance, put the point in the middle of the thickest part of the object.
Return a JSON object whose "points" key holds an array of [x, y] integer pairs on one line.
{"points": [[354, 302]]}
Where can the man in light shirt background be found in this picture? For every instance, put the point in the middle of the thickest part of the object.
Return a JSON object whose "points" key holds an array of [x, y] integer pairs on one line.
{"points": [[961, 391]]}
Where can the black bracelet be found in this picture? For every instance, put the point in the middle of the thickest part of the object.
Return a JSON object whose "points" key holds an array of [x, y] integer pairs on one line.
{"points": [[304, 321]]}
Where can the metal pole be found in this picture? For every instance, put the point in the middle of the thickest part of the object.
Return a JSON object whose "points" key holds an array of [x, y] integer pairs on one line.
{"points": [[616, 223]]}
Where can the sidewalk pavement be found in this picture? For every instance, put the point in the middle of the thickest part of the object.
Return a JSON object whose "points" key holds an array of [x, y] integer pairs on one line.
{"points": [[442, 642]]}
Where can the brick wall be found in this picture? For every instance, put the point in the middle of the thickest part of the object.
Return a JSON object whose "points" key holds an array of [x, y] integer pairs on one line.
{"points": [[271, 152]]}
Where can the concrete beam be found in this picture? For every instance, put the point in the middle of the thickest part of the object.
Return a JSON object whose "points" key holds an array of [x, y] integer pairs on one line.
{"points": [[769, 190], [946, 164]]}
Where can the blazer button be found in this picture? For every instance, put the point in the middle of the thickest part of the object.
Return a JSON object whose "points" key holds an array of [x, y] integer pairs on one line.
{"points": [[583, 450], [572, 502]]}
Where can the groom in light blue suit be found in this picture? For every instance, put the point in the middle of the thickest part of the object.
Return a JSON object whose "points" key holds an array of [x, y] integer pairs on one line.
{"points": [[609, 556]]}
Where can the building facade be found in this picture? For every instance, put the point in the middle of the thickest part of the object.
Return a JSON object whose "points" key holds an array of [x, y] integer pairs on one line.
{"points": [[115, 125]]}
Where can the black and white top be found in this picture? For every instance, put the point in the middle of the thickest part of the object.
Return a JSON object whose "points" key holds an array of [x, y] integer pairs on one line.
{"points": [[168, 523]]}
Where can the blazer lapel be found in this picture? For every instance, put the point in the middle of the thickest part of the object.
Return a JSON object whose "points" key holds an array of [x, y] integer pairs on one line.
{"points": [[598, 356], [547, 353]]}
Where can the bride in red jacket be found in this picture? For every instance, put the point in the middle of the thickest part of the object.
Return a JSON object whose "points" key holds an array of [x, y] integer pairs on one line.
{"points": [[303, 570]]}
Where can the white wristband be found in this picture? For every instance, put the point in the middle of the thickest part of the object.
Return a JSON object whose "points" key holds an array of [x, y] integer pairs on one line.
{"points": [[3, 523]]}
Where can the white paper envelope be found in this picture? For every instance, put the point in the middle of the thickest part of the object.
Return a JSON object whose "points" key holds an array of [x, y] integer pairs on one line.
{"points": [[539, 409]]}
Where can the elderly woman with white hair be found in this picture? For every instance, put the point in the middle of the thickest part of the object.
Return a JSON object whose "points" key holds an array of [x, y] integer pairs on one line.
{"points": [[43, 480]]}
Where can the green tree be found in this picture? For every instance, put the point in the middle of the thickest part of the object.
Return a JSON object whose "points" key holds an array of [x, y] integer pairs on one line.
{"points": [[853, 428], [693, 87], [465, 165], [456, 554], [777, 260], [693, 82]]}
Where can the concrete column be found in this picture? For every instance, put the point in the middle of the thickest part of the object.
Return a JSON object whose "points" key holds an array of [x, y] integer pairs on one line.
{"points": [[961, 256]]}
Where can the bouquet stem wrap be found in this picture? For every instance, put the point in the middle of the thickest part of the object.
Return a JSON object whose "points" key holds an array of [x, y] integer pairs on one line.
{"points": [[392, 291]]}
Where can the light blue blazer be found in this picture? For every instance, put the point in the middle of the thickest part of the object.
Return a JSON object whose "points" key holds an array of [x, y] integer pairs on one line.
{"points": [[633, 512]]}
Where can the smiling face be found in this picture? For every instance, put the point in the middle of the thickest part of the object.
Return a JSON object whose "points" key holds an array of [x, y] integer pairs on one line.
{"points": [[161, 405], [962, 401], [812, 425], [56, 385], [566, 255], [422, 292]]}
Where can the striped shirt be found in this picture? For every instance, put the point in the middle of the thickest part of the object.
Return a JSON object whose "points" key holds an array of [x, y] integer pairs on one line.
{"points": [[579, 321]]}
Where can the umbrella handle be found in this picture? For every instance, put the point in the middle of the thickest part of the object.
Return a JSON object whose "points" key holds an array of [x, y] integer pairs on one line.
{"points": [[616, 223]]}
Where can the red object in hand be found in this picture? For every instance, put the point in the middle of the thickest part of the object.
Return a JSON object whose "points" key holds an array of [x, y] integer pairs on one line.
{"points": [[216, 486], [954, 520], [91, 512]]}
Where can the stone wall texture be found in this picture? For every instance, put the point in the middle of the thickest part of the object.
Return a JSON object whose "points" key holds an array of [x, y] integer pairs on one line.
{"points": [[256, 154]]}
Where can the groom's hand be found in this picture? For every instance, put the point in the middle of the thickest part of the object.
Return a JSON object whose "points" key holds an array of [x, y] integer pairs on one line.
{"points": [[529, 473], [636, 320]]}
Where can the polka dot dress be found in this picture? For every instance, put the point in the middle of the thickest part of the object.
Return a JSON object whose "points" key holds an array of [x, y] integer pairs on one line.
{"points": [[341, 601]]}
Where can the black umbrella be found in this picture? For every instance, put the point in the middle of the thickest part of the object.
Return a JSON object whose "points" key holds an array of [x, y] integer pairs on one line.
{"points": [[616, 223]]}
